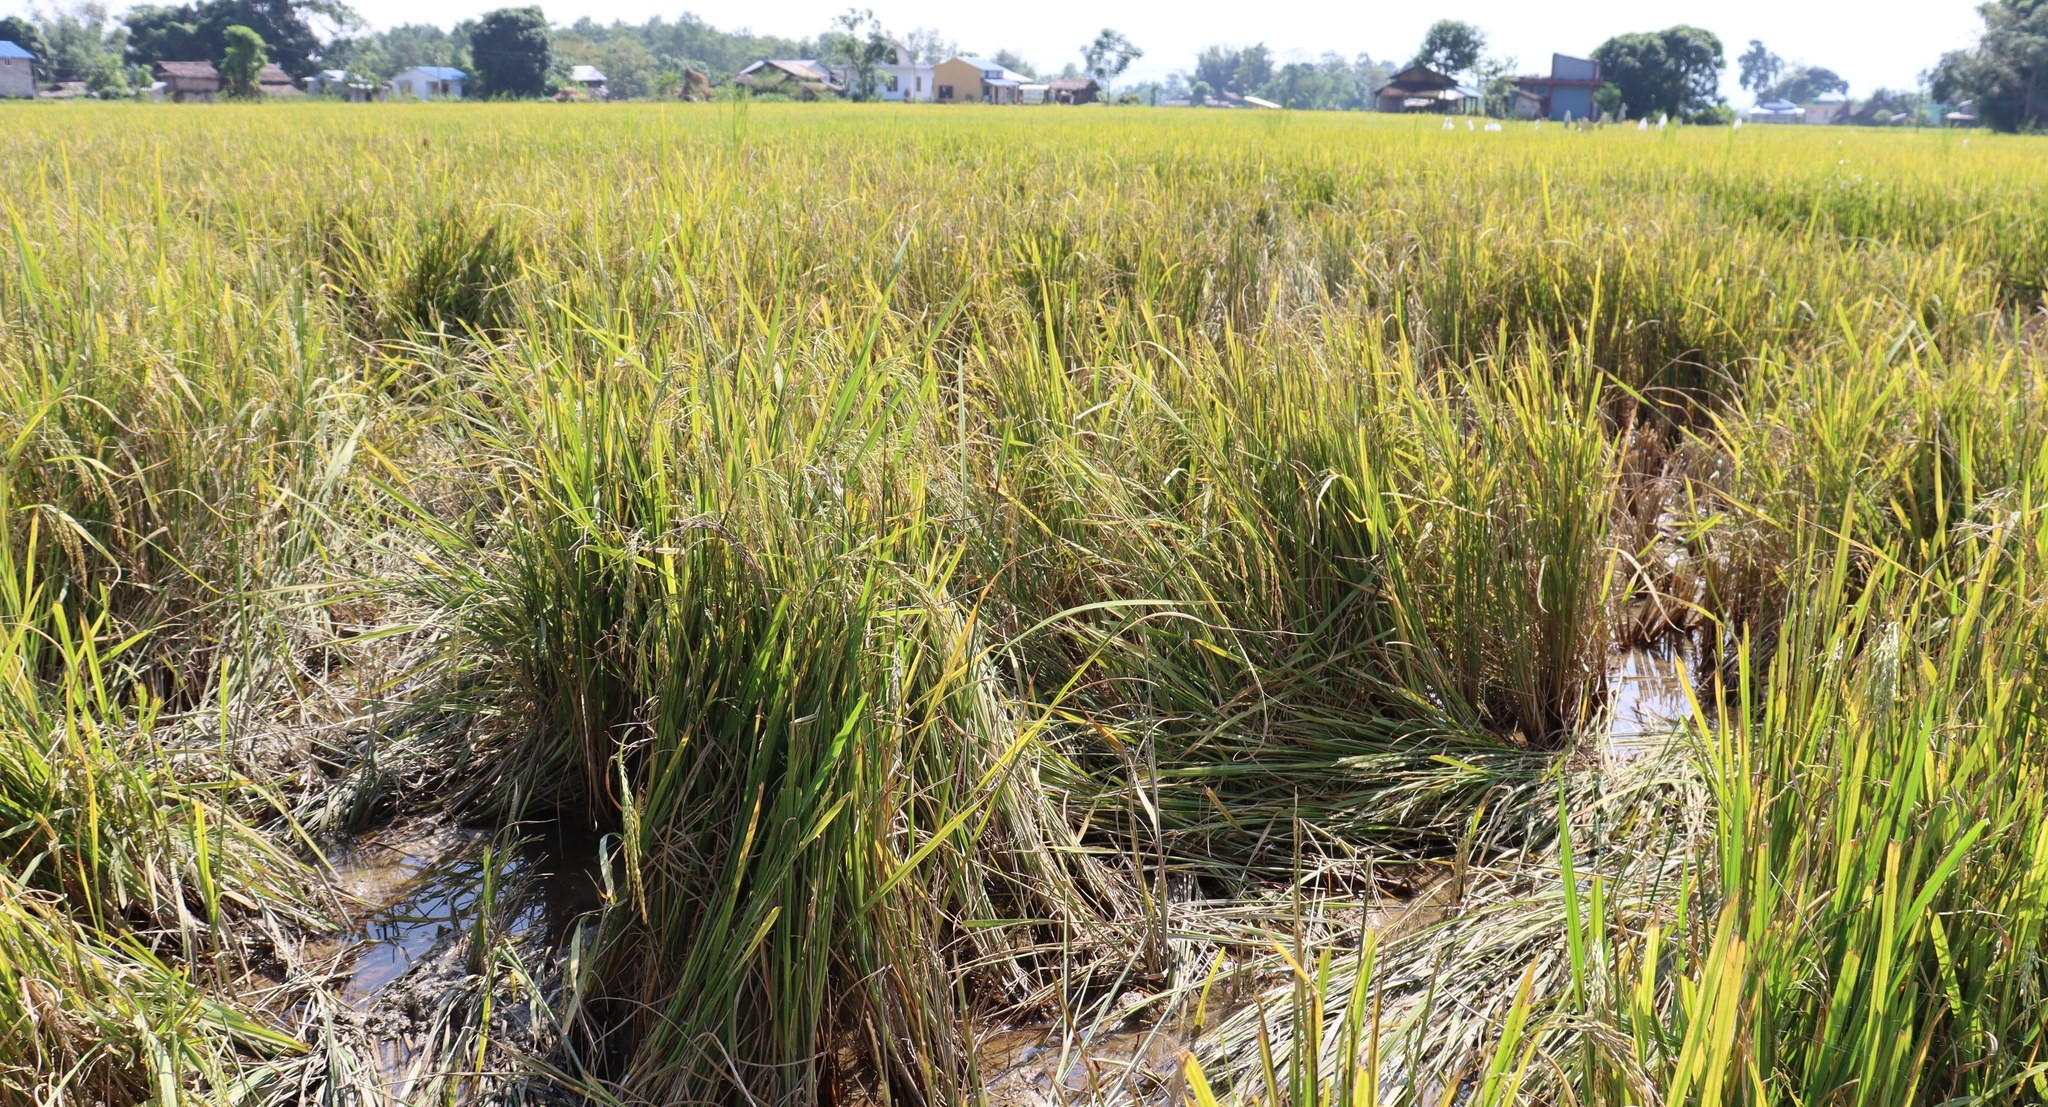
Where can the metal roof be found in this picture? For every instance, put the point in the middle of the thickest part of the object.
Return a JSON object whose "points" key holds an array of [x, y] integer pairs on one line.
{"points": [[438, 73], [583, 74], [10, 50]]}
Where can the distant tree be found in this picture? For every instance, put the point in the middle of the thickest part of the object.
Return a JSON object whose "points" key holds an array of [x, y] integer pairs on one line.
{"points": [[241, 60], [1215, 68], [1676, 71], [1915, 105], [28, 36], [1254, 69], [1608, 99], [1010, 59], [858, 42], [1451, 46], [1199, 92], [512, 52], [1301, 85], [2006, 73], [81, 43], [292, 30], [925, 46], [1109, 55], [1803, 83], [1496, 81], [1760, 67], [383, 53]]}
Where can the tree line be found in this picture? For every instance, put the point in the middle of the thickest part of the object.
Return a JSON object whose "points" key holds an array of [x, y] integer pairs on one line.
{"points": [[517, 52]]}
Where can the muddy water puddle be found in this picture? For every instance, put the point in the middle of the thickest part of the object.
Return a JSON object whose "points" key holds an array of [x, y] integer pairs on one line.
{"points": [[1043, 1066], [1646, 687], [424, 887]]}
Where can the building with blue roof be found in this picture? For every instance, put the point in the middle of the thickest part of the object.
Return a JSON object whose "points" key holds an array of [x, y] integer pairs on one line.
{"points": [[17, 70], [430, 82]]}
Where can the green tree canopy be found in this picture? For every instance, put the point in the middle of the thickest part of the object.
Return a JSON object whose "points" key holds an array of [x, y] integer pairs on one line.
{"points": [[241, 61], [293, 31], [858, 42], [1243, 71], [2006, 73], [1804, 82], [79, 43], [1011, 59], [1760, 67], [1451, 46], [1675, 71], [25, 34], [1109, 55], [512, 52]]}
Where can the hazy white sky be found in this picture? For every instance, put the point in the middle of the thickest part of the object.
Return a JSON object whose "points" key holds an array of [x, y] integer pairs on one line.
{"points": [[1871, 45]]}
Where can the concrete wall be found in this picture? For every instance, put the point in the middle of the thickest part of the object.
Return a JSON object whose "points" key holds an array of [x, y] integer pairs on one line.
{"points": [[16, 77], [913, 82], [964, 80]]}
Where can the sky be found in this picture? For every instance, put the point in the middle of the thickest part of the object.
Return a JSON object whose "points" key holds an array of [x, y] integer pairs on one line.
{"points": [[1870, 45]]}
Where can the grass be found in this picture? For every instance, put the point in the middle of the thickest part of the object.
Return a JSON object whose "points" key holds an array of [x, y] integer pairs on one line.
{"points": [[1109, 571]]}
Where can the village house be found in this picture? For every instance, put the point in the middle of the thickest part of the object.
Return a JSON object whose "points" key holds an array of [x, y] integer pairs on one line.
{"points": [[904, 81], [17, 71], [977, 81], [1565, 95], [1776, 111], [1073, 90], [1419, 88], [796, 78], [429, 82], [590, 79], [272, 80], [340, 83], [187, 82], [1831, 107]]}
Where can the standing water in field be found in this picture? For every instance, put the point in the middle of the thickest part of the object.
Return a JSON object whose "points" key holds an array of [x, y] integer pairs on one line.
{"points": [[423, 888], [1648, 701]]}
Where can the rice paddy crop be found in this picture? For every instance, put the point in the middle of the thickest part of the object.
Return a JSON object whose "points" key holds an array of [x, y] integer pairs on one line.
{"points": [[1149, 582]]}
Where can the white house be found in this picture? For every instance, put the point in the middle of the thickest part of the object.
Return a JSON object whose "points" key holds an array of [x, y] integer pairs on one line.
{"points": [[904, 81], [16, 76], [429, 82]]}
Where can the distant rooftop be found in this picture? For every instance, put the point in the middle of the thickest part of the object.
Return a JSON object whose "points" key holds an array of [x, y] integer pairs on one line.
{"points": [[10, 50]]}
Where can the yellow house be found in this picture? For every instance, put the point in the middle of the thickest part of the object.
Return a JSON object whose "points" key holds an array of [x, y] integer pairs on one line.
{"points": [[975, 81]]}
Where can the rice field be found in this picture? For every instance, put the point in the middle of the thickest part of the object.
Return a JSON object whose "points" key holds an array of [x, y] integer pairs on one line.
{"points": [[1018, 607]]}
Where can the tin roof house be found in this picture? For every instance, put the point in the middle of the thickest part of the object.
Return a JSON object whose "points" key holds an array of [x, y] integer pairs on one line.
{"points": [[17, 71], [1776, 111], [797, 78], [591, 80], [1567, 94], [429, 82], [1419, 88], [978, 81]]}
